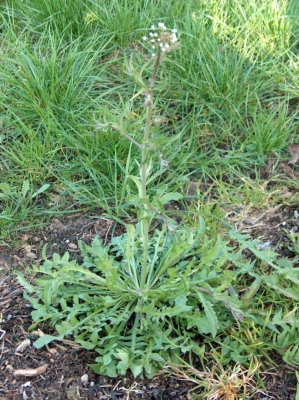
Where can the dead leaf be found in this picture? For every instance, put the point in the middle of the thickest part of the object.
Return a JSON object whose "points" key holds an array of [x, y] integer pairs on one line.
{"points": [[160, 121], [285, 192], [29, 253], [294, 151], [22, 346], [31, 372], [72, 246], [72, 394]]}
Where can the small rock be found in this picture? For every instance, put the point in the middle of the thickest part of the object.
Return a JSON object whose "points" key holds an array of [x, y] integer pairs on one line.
{"points": [[72, 246], [26, 384], [84, 379], [264, 246]]}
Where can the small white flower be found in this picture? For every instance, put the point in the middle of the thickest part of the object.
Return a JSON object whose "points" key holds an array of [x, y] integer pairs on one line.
{"points": [[162, 38], [153, 55], [173, 38], [161, 25]]}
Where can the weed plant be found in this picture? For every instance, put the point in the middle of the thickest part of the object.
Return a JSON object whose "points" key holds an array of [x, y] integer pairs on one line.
{"points": [[145, 300], [225, 103]]}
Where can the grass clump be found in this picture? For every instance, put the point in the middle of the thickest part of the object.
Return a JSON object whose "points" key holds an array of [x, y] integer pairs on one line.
{"points": [[63, 71]]}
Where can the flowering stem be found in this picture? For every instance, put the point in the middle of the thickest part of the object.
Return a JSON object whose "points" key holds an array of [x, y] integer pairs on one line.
{"points": [[144, 216], [162, 41], [149, 102]]}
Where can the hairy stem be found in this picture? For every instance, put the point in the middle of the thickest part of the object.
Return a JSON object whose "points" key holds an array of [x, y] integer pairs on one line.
{"points": [[149, 102]]}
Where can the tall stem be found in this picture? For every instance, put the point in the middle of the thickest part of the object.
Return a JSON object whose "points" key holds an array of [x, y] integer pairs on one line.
{"points": [[144, 216], [149, 102]]}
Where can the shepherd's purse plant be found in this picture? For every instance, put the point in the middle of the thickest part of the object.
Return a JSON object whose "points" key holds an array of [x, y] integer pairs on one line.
{"points": [[150, 295]]}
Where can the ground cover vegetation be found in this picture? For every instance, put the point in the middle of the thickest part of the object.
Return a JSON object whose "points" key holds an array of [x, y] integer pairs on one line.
{"points": [[179, 143]]}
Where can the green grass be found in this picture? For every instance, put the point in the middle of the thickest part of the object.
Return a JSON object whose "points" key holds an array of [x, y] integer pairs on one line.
{"points": [[226, 107], [224, 98]]}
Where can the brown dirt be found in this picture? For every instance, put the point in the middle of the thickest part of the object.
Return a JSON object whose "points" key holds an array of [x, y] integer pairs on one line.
{"points": [[59, 369]]}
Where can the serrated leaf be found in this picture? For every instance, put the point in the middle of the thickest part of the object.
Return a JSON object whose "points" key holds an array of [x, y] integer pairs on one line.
{"points": [[43, 340], [136, 201], [137, 182], [86, 344], [136, 369], [124, 364], [23, 281], [157, 357], [160, 312], [107, 359], [181, 300], [25, 188], [291, 356], [41, 313], [172, 196], [251, 292], [210, 314], [44, 252]]}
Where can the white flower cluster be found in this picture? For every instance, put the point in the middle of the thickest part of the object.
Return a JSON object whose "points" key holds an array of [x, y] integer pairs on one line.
{"points": [[162, 38]]}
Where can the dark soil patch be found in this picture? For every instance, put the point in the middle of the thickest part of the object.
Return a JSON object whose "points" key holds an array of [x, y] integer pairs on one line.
{"points": [[60, 236], [67, 375], [274, 227]]}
